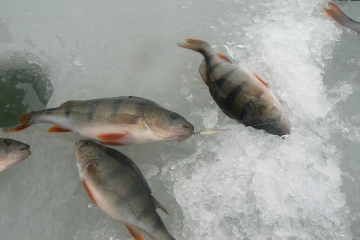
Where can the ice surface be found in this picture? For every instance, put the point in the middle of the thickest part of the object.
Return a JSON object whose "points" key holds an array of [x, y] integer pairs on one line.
{"points": [[239, 184]]}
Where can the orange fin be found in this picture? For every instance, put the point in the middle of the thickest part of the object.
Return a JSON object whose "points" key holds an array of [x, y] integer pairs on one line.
{"points": [[58, 129], [136, 234], [111, 136], [67, 103], [262, 81], [223, 57], [87, 189], [123, 118], [339, 16], [24, 122]]}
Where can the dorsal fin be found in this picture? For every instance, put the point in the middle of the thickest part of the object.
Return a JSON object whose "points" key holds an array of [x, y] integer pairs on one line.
{"points": [[158, 205], [262, 81], [67, 103], [223, 57]]}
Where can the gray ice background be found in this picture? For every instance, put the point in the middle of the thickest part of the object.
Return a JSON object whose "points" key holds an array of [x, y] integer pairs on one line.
{"points": [[240, 184]]}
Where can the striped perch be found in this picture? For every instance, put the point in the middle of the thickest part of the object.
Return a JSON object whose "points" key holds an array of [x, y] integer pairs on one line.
{"points": [[241, 95], [116, 185], [113, 121], [338, 15]]}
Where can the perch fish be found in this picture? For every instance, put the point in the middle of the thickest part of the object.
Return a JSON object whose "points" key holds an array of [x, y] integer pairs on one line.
{"points": [[241, 95], [113, 121], [116, 185]]}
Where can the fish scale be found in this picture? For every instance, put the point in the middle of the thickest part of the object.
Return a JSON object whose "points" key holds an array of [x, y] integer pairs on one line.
{"points": [[117, 186]]}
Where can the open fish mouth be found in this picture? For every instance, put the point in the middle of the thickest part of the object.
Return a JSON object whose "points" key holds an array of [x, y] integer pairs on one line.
{"points": [[187, 131]]}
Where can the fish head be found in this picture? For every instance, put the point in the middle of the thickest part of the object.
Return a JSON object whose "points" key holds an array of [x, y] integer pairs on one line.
{"points": [[167, 124], [87, 151], [274, 121], [12, 152]]}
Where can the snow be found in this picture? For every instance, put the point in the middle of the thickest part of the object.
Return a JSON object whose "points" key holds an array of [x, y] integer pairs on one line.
{"points": [[238, 184]]}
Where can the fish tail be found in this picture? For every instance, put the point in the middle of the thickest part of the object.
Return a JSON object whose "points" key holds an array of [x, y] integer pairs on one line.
{"points": [[24, 120], [339, 16], [197, 45]]}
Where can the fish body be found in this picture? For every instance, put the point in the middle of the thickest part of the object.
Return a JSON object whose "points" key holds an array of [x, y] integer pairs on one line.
{"points": [[12, 152], [116, 185], [338, 15], [113, 121], [241, 95]]}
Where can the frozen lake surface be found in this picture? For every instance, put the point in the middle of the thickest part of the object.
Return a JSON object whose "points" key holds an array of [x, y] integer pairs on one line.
{"points": [[240, 184]]}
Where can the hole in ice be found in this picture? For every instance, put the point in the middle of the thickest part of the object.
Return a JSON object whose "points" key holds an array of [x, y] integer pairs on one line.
{"points": [[24, 86]]}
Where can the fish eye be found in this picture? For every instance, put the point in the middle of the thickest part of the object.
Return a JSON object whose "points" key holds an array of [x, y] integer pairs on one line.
{"points": [[7, 142], [174, 116]]}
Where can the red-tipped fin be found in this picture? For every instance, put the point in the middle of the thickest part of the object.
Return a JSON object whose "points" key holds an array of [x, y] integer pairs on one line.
{"points": [[24, 123], [136, 234], [87, 189], [262, 81], [159, 205], [58, 129], [223, 57]]}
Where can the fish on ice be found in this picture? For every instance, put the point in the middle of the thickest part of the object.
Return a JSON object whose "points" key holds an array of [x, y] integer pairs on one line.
{"points": [[116, 185], [12, 152], [338, 15], [113, 121], [241, 95]]}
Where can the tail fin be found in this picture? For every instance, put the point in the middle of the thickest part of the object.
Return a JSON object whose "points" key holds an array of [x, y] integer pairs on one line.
{"points": [[338, 15], [24, 122], [197, 45]]}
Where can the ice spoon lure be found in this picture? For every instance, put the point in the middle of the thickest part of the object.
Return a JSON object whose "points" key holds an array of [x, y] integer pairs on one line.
{"points": [[206, 132]]}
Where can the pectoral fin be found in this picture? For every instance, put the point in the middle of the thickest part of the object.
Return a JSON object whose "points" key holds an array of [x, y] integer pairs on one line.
{"points": [[223, 57], [136, 234], [123, 118]]}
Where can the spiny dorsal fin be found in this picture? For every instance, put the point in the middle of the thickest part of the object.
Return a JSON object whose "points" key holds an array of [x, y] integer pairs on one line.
{"points": [[262, 81], [67, 103], [223, 57], [158, 205]]}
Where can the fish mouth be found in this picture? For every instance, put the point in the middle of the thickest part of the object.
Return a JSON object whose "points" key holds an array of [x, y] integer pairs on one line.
{"points": [[187, 131], [25, 148], [22, 153]]}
